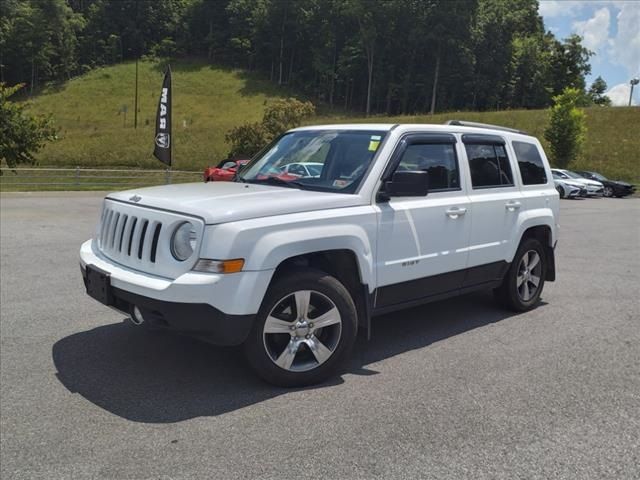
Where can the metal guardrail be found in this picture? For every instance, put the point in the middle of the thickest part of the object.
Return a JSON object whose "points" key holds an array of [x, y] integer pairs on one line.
{"points": [[45, 178]]}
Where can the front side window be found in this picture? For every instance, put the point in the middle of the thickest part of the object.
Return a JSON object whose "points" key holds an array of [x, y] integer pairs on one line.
{"points": [[489, 165], [438, 160], [325, 160], [530, 163]]}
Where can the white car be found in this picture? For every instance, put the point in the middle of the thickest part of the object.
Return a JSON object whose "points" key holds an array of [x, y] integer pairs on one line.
{"points": [[401, 215], [303, 169], [593, 187], [568, 188]]}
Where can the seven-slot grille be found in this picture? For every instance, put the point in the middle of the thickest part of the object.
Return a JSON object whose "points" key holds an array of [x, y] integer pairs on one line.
{"points": [[123, 235]]}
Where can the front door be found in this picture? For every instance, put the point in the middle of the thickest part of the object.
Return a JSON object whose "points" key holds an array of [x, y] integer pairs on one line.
{"points": [[422, 241]]}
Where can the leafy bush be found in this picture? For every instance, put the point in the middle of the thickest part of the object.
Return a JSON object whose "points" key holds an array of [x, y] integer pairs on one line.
{"points": [[280, 116], [246, 140], [285, 114], [21, 135], [566, 130]]}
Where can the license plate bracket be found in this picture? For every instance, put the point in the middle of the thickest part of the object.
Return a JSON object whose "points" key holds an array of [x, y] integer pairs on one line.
{"points": [[99, 285]]}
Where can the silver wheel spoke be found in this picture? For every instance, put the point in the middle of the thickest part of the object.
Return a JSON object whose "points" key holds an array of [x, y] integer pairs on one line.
{"points": [[319, 350], [520, 280], [535, 259], [288, 355], [330, 318], [525, 291], [525, 259], [275, 325], [535, 280], [303, 298]]}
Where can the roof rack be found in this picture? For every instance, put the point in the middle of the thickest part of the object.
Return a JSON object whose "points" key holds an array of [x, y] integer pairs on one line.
{"points": [[463, 123]]}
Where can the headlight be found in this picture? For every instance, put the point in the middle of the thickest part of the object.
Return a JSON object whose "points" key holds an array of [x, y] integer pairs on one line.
{"points": [[183, 241]]}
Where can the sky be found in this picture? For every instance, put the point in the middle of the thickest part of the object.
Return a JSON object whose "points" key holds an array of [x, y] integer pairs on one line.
{"points": [[611, 29]]}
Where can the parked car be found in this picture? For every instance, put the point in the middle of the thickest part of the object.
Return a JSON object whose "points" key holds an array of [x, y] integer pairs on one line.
{"points": [[568, 188], [612, 188], [303, 169], [225, 171], [593, 187], [401, 215]]}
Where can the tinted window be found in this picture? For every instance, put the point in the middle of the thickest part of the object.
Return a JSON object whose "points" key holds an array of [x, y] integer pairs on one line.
{"points": [[489, 166], [530, 163], [438, 160]]}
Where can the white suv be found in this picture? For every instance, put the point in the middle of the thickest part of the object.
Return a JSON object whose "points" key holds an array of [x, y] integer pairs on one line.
{"points": [[400, 215]]}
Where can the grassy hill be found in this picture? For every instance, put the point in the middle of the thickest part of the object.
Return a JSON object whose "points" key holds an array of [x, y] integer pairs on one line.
{"points": [[209, 100]]}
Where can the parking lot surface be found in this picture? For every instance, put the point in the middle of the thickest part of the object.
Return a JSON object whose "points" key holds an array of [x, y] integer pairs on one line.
{"points": [[455, 389]]}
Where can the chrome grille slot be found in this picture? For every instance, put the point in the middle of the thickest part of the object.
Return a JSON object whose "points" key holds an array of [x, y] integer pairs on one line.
{"points": [[140, 237]]}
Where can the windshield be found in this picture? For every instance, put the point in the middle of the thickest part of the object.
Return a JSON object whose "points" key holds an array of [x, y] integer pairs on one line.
{"points": [[574, 175], [599, 177], [325, 160]]}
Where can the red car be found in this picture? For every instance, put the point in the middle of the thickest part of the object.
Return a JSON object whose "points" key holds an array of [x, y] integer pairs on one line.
{"points": [[225, 171]]}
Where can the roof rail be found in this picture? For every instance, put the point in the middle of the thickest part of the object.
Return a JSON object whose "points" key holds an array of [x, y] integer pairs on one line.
{"points": [[463, 123]]}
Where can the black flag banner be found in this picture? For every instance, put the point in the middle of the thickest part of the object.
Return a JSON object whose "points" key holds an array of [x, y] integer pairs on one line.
{"points": [[162, 150]]}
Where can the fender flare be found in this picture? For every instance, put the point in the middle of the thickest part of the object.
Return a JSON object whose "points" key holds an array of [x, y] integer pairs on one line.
{"points": [[275, 247]]}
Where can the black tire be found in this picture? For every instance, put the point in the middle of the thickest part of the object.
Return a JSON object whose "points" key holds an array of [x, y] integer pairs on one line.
{"points": [[608, 192], [510, 294], [322, 286], [561, 191]]}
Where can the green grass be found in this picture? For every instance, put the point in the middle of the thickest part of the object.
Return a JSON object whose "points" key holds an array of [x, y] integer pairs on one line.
{"points": [[209, 100]]}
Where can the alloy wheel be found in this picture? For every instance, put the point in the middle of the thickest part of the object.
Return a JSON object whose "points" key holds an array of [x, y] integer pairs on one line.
{"points": [[608, 192], [302, 331], [529, 273]]}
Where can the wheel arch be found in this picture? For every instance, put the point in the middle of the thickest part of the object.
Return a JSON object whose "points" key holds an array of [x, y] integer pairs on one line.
{"points": [[543, 232]]}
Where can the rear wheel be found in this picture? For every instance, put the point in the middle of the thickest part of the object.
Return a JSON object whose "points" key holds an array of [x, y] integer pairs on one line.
{"points": [[560, 191], [608, 191], [523, 283], [305, 329]]}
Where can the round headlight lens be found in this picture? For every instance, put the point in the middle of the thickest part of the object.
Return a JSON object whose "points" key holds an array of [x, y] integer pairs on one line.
{"points": [[183, 242]]}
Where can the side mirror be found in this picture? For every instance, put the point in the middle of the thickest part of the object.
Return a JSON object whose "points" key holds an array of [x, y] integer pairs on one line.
{"points": [[412, 183]]}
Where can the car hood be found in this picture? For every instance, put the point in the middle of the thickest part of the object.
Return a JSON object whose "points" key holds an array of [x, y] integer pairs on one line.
{"points": [[621, 183], [586, 181], [571, 183], [221, 202]]}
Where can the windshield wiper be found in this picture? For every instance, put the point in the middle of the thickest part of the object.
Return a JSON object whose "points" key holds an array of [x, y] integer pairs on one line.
{"points": [[278, 181]]}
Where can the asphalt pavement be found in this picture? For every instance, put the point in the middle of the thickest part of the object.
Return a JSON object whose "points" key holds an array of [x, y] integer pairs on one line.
{"points": [[456, 389]]}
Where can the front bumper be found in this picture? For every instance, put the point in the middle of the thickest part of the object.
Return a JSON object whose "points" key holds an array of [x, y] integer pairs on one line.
{"points": [[218, 308]]}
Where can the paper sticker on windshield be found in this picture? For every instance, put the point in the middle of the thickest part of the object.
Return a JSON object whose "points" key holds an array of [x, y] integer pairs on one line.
{"points": [[373, 145], [341, 183]]}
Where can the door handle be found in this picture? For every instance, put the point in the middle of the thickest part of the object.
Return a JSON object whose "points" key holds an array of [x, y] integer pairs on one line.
{"points": [[511, 206], [456, 212]]}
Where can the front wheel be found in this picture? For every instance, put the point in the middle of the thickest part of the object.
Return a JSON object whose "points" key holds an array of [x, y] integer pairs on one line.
{"points": [[523, 283], [304, 331], [608, 192]]}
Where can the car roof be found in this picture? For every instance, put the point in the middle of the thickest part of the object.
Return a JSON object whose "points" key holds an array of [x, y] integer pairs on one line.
{"points": [[416, 127]]}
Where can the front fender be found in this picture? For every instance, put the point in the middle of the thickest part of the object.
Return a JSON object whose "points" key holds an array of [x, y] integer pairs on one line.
{"points": [[275, 247]]}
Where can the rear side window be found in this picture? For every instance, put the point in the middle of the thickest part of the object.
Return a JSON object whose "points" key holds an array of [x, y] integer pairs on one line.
{"points": [[489, 165], [530, 163], [438, 160]]}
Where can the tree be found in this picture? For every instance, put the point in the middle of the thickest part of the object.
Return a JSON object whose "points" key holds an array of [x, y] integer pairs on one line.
{"points": [[596, 93], [21, 135], [566, 130]]}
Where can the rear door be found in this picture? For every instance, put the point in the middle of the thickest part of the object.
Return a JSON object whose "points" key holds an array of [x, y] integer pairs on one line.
{"points": [[496, 201]]}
